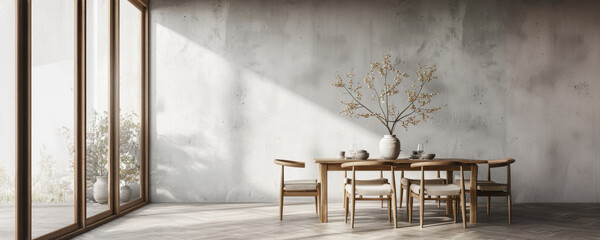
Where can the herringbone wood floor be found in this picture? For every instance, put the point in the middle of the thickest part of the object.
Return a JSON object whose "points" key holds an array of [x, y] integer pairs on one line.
{"points": [[260, 221]]}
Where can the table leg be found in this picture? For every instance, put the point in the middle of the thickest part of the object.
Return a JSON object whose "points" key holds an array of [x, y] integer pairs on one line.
{"points": [[323, 179], [473, 194], [449, 180]]}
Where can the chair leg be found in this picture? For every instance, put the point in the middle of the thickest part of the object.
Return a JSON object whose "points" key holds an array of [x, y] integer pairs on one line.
{"points": [[455, 210], [395, 210], [317, 205], [408, 199], [389, 210], [422, 208], [509, 209], [381, 196], [344, 188], [488, 205], [281, 206], [345, 199], [319, 200], [345, 208], [409, 207], [353, 209], [401, 191], [438, 202], [463, 209]]}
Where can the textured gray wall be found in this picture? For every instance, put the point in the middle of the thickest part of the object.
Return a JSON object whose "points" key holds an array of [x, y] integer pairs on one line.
{"points": [[238, 83]]}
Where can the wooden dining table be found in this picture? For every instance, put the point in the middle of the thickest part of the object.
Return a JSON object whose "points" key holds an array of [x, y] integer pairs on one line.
{"points": [[334, 164]]}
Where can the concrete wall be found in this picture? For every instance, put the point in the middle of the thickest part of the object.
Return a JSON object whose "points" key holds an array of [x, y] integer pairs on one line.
{"points": [[235, 84]]}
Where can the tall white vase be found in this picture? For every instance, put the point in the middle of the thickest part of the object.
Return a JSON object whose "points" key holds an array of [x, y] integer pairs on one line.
{"points": [[389, 147], [101, 189]]}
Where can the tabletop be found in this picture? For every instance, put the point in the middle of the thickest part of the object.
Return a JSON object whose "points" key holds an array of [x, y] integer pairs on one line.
{"points": [[399, 160]]}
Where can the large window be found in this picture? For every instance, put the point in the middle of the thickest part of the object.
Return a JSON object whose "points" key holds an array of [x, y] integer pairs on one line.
{"points": [[52, 115], [97, 111], [7, 118], [74, 74], [130, 88]]}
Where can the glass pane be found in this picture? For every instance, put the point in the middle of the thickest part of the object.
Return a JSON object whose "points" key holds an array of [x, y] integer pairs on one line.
{"points": [[7, 118], [97, 100], [130, 82], [52, 115]]}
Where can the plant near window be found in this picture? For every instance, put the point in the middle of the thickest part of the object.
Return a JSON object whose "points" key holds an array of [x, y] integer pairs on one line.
{"points": [[97, 148], [129, 149], [7, 187], [129, 152], [382, 104], [50, 185]]}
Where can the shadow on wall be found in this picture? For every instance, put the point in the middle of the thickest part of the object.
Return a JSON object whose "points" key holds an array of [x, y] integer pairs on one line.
{"points": [[217, 129], [236, 84]]}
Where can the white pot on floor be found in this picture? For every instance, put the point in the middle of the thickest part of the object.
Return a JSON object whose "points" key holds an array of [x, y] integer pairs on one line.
{"points": [[101, 189], [125, 194]]}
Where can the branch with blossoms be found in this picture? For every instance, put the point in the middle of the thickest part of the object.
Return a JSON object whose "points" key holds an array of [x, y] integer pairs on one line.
{"points": [[385, 111]]}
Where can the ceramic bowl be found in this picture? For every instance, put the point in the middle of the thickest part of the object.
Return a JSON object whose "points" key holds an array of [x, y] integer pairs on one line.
{"points": [[428, 156], [362, 155]]}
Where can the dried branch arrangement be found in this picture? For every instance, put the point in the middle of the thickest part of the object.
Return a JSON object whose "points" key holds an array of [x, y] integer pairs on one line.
{"points": [[385, 110]]}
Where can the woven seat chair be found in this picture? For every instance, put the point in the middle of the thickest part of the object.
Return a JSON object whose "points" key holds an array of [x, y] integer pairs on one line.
{"points": [[374, 189], [489, 188], [424, 190], [296, 188]]}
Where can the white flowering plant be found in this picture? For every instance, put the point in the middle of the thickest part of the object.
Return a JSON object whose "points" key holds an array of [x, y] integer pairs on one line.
{"points": [[381, 103]]}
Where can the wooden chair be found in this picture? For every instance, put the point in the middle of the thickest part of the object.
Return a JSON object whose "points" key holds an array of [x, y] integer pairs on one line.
{"points": [[490, 188], [424, 191], [376, 180], [404, 185], [380, 188], [303, 188]]}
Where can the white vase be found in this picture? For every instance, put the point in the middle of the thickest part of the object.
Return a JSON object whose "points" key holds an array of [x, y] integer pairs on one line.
{"points": [[101, 189], [125, 194], [389, 147]]}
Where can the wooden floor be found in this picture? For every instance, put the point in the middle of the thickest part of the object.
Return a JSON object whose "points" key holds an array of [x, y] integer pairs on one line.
{"points": [[261, 221], [45, 217]]}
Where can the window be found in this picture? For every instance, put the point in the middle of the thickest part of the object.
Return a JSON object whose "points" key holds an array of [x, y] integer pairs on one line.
{"points": [[80, 93], [97, 135], [52, 115], [7, 118], [130, 100]]}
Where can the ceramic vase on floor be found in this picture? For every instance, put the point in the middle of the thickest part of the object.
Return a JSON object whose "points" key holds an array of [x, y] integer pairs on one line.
{"points": [[125, 194], [389, 147], [101, 189]]}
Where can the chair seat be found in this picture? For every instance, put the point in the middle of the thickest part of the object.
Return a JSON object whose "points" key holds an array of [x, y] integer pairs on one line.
{"points": [[300, 185], [300, 181], [437, 189], [404, 181], [483, 185], [376, 181], [370, 190]]}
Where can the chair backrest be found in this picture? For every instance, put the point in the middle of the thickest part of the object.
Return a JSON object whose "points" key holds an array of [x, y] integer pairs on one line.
{"points": [[435, 164], [365, 164], [367, 182], [500, 163], [426, 164], [369, 163], [289, 163]]}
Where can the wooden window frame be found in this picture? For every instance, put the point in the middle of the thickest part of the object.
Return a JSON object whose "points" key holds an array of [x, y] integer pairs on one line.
{"points": [[23, 122]]}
